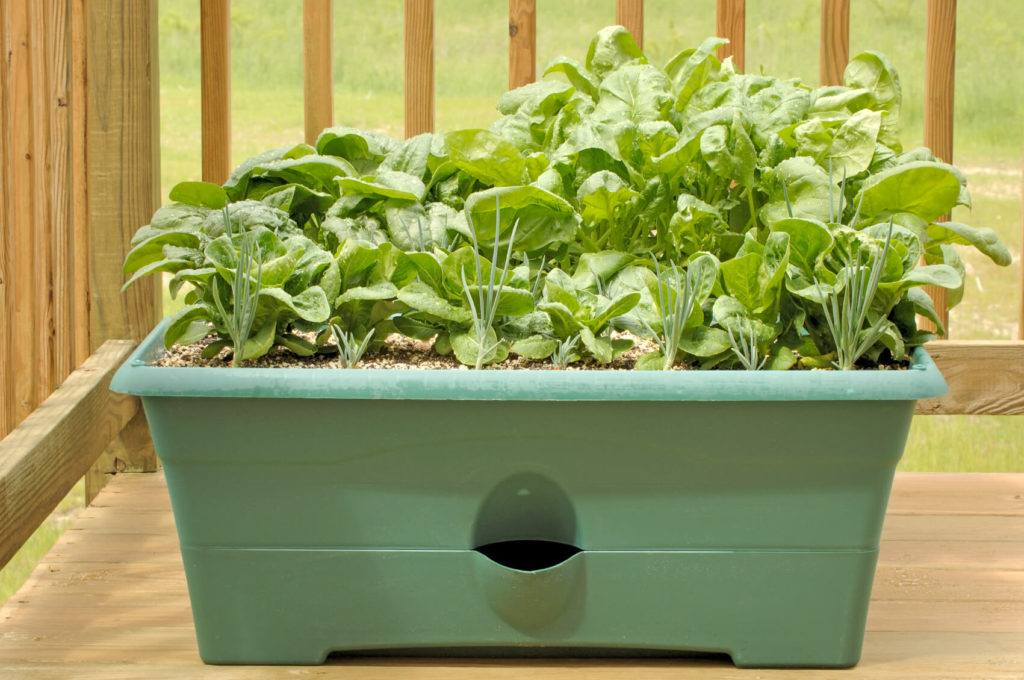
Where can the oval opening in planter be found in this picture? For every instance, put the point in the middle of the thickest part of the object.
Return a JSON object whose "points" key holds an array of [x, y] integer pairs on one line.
{"points": [[528, 555]]}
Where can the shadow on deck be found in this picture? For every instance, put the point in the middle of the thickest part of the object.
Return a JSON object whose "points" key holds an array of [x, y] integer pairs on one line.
{"points": [[109, 601]]}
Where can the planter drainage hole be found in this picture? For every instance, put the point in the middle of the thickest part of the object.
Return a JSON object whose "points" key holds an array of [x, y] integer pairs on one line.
{"points": [[528, 555]]}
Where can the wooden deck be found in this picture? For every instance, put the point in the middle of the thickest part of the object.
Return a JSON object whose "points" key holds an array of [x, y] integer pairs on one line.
{"points": [[109, 601]]}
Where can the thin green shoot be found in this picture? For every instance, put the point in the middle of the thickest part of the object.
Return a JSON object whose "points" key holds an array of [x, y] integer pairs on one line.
{"points": [[350, 350], [835, 214], [744, 346], [675, 304], [245, 293], [535, 288], [565, 353], [847, 310], [485, 308]]}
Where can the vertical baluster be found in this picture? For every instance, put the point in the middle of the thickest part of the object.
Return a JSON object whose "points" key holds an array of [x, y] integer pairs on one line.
{"points": [[215, 32], [419, 67], [522, 42], [938, 108], [731, 22], [317, 66]]}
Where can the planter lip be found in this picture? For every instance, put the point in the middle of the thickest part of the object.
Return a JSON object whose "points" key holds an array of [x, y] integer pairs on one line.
{"points": [[138, 377]]}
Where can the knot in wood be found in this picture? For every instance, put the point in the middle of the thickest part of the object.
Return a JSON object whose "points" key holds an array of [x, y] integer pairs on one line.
{"points": [[513, 30]]}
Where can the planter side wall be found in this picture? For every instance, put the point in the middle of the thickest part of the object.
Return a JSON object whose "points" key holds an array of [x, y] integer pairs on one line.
{"points": [[704, 527]]}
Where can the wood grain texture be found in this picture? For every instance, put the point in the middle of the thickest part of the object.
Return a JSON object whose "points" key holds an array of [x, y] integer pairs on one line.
{"points": [[419, 67], [731, 23], [131, 450], [6, 222], [41, 223], [58, 47], [984, 377], [20, 164], [81, 260], [966, 494], [110, 602], [630, 14], [43, 458], [215, 67], [835, 41], [123, 160], [522, 42], [317, 66], [940, 69]]}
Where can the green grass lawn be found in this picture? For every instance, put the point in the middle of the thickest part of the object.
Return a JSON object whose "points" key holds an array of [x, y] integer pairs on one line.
{"points": [[470, 66]]}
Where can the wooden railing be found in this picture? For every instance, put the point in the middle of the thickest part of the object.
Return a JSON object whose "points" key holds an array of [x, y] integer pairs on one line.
{"points": [[79, 164], [79, 160]]}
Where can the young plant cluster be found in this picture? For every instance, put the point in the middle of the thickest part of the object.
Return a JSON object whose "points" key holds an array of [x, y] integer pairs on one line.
{"points": [[737, 220]]}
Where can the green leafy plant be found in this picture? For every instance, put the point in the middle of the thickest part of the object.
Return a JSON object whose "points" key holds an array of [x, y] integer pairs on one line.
{"points": [[849, 303], [565, 352], [675, 301], [245, 291], [745, 346], [484, 309], [350, 350], [753, 195]]}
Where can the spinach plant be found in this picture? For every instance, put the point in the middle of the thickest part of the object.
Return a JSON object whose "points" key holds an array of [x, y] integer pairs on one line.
{"points": [[751, 196]]}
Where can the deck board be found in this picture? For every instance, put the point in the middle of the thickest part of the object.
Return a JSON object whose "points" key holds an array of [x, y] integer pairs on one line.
{"points": [[109, 601]]}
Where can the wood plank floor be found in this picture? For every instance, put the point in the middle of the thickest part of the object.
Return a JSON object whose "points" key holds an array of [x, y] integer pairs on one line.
{"points": [[109, 601]]}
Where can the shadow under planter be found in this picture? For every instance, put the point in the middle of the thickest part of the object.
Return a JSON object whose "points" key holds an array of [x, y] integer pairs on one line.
{"points": [[528, 513]]}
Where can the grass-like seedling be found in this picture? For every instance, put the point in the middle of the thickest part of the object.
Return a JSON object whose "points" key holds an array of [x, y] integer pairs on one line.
{"points": [[350, 351], [847, 309], [675, 304], [744, 346], [565, 353], [485, 307], [245, 293]]}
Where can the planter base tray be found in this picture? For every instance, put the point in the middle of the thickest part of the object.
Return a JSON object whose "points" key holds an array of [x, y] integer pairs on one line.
{"points": [[762, 608]]}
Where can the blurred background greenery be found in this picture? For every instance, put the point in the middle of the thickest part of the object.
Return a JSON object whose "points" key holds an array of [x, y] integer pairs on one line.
{"points": [[471, 48]]}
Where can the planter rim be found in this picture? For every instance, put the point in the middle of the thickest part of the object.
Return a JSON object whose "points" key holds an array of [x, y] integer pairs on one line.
{"points": [[138, 377]]}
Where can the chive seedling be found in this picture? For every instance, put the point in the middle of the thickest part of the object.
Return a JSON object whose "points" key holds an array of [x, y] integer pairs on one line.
{"points": [[350, 351], [847, 309], [565, 353], [245, 292], [675, 304], [485, 308], [744, 346]]}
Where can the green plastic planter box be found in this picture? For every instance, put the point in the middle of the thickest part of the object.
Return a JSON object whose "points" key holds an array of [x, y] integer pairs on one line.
{"points": [[528, 512]]}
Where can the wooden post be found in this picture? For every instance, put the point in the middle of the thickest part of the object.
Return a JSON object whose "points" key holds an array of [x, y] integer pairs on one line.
{"points": [[215, 39], [522, 42], [419, 67], [122, 166], [835, 41], [938, 108], [37, 340], [730, 23], [630, 14], [317, 66]]}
